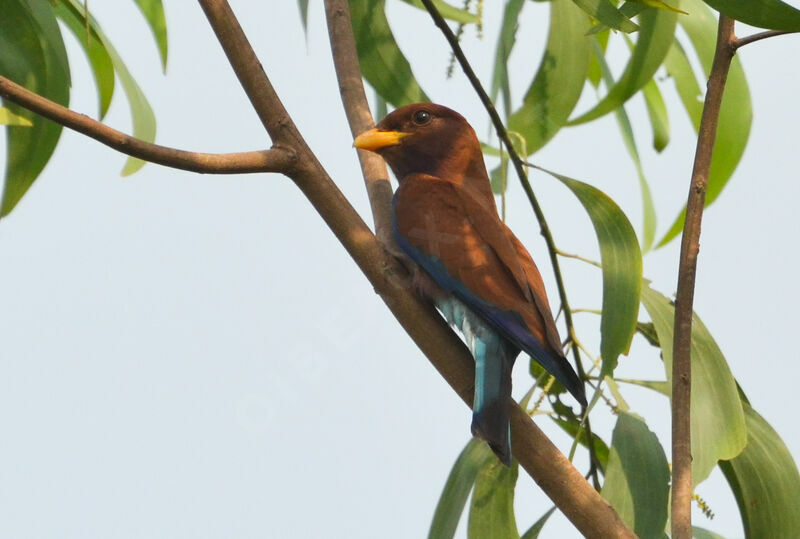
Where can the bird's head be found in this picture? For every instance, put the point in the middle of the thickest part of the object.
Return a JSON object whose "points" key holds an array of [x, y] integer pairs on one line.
{"points": [[425, 138]]}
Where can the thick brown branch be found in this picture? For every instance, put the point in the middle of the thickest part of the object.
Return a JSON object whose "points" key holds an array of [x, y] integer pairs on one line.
{"points": [[690, 247], [274, 160], [348, 72], [519, 165]]}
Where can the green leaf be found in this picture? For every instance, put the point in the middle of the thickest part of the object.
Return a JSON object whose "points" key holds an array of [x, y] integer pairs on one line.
{"points": [[624, 123], [718, 428], [491, 513], [630, 9], [637, 477], [605, 12], [32, 53], [142, 116], [681, 72], [653, 42], [702, 533], [382, 62], [771, 14], [736, 113], [9, 118], [99, 60], [534, 531], [574, 429], [648, 331], [621, 259], [505, 42], [448, 11], [657, 112], [153, 12], [658, 386], [658, 4], [303, 5], [558, 82], [595, 74], [765, 482], [473, 458]]}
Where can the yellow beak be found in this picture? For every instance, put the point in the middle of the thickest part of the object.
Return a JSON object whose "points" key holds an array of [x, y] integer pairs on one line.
{"points": [[374, 139]]}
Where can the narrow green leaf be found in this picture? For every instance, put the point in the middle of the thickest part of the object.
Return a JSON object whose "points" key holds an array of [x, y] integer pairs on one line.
{"points": [[32, 53], [505, 43], [498, 176], [491, 513], [772, 14], [681, 72], [9, 118], [718, 424], [653, 42], [637, 454], [702, 533], [381, 108], [657, 112], [605, 12], [736, 113], [153, 12], [625, 127], [658, 4], [659, 387], [473, 458], [573, 428], [599, 46], [534, 531], [621, 259], [558, 82], [142, 116], [382, 62], [303, 5], [630, 9], [765, 482], [448, 11], [99, 60]]}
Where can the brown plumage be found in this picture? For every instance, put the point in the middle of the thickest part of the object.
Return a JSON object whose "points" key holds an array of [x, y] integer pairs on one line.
{"points": [[446, 220]]}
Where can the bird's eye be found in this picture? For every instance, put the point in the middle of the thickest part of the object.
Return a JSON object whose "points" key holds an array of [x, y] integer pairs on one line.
{"points": [[421, 117]]}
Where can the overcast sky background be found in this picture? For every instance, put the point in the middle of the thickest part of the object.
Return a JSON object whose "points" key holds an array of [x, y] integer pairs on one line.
{"points": [[190, 356]]}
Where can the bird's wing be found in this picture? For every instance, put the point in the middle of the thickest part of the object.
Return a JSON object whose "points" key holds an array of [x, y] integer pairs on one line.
{"points": [[448, 238]]}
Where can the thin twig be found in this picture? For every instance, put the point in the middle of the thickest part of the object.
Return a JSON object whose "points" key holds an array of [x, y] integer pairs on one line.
{"points": [[742, 41], [690, 246], [274, 160], [519, 166], [356, 107]]}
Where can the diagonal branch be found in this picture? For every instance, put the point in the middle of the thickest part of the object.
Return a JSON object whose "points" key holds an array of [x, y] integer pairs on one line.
{"points": [[274, 160], [690, 247], [519, 165]]}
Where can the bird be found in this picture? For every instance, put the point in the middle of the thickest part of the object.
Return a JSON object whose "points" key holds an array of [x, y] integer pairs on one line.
{"points": [[465, 260]]}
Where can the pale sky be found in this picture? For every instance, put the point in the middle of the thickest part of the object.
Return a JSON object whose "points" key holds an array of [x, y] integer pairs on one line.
{"points": [[196, 356]]}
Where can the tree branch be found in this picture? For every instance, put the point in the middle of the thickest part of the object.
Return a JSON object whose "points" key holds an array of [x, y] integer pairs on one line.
{"points": [[519, 165], [348, 72], [690, 247], [742, 41], [274, 160]]}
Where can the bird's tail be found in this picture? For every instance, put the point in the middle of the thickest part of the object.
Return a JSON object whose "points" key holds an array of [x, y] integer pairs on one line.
{"points": [[491, 404]]}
